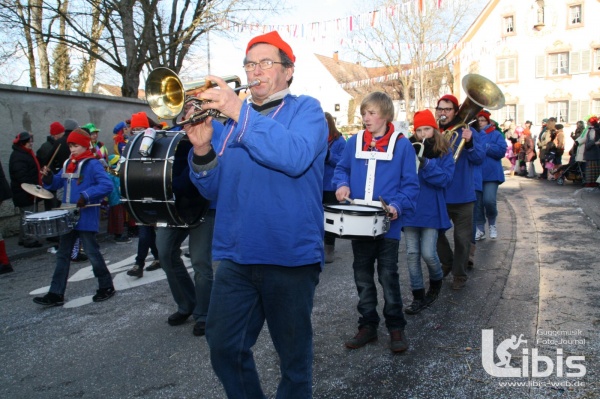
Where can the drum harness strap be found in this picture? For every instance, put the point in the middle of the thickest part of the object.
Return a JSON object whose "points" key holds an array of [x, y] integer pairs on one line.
{"points": [[71, 176], [372, 157]]}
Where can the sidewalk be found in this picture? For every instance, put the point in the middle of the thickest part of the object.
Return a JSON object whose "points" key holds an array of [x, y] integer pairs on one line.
{"points": [[589, 200]]}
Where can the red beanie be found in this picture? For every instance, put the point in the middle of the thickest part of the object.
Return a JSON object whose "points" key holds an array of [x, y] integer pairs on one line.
{"points": [[139, 120], [81, 137], [424, 118], [274, 39], [485, 114], [56, 128], [593, 120], [451, 98]]}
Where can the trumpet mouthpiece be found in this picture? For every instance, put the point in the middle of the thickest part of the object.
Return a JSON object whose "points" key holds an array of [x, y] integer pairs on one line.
{"points": [[255, 82], [443, 118]]}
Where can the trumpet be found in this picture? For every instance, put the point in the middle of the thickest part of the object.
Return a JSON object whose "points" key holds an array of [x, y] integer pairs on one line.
{"points": [[168, 96], [420, 154], [481, 93]]}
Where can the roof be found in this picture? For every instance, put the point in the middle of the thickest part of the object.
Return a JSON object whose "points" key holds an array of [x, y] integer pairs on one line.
{"points": [[115, 91]]}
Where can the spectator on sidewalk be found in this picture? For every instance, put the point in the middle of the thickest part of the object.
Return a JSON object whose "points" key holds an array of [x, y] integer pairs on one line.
{"points": [[23, 167], [379, 163], [98, 148], [5, 193], [116, 210], [592, 153]]}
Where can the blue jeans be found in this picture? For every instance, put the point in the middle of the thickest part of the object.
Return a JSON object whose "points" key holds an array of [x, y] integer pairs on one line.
{"points": [[385, 252], [63, 261], [191, 297], [422, 241], [146, 242], [243, 297], [490, 192]]}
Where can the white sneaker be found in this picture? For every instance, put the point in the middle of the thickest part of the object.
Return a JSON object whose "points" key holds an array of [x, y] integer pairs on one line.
{"points": [[480, 235], [493, 231]]}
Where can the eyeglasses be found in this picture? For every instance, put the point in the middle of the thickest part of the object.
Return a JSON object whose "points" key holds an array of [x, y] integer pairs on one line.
{"points": [[444, 109], [265, 64]]}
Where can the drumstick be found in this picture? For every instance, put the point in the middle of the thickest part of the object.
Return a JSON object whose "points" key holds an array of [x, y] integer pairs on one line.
{"points": [[53, 155], [350, 200]]}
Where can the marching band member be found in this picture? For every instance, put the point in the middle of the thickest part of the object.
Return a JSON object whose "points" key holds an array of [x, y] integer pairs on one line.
{"points": [[436, 169], [378, 163]]}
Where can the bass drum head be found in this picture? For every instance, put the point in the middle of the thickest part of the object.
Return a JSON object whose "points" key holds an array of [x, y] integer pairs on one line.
{"points": [[157, 189]]}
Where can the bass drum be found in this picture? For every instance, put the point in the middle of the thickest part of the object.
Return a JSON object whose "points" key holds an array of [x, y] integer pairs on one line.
{"points": [[157, 189]]}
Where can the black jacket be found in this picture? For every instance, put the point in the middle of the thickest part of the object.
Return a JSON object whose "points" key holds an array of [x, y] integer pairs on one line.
{"points": [[5, 192], [22, 169], [46, 151]]}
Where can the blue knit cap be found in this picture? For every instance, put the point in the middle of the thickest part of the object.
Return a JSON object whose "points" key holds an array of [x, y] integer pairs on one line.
{"points": [[120, 126]]}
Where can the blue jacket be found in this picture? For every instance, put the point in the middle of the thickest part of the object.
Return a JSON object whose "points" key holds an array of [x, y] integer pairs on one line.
{"points": [[269, 184], [462, 188], [495, 150], [93, 184], [396, 180], [336, 148], [431, 210]]}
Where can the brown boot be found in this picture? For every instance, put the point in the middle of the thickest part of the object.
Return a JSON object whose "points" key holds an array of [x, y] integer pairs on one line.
{"points": [[365, 335], [459, 282], [471, 261], [398, 341]]}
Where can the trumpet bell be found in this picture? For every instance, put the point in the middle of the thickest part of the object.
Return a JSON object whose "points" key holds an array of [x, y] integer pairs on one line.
{"points": [[165, 93]]}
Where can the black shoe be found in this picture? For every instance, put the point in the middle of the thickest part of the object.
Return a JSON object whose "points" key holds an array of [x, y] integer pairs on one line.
{"points": [[34, 244], [416, 306], [21, 243], [6, 268], [155, 265], [136, 271], [398, 341], [81, 257], [52, 239], [433, 292], [50, 299], [103, 294], [178, 318], [365, 335], [199, 328], [122, 240]]}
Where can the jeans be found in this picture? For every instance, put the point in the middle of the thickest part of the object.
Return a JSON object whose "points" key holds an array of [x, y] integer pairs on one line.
{"points": [[146, 242], [243, 297], [462, 219], [191, 297], [490, 192], [385, 252], [421, 241], [478, 213], [63, 261]]}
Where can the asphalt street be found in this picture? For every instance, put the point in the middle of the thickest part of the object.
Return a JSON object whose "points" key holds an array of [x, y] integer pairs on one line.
{"points": [[539, 281]]}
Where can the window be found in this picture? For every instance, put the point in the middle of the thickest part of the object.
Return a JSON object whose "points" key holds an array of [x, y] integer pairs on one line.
{"points": [[506, 69], [508, 26], [558, 64], [540, 12], [596, 65], [509, 112], [596, 106], [560, 109], [575, 14]]}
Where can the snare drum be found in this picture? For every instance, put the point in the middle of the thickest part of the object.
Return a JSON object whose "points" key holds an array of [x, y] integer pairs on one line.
{"points": [[156, 188], [49, 223], [355, 222]]}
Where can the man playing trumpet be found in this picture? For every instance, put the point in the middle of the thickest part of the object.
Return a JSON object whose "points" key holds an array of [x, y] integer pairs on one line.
{"points": [[460, 194]]}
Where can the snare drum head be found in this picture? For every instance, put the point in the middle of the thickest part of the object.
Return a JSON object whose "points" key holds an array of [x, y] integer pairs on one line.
{"points": [[353, 209], [53, 214]]}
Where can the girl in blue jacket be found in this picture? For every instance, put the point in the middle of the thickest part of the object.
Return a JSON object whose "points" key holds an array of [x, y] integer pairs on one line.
{"points": [[436, 170], [492, 173]]}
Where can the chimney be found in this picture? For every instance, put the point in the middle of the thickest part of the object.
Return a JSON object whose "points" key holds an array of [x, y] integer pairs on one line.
{"points": [[335, 56]]}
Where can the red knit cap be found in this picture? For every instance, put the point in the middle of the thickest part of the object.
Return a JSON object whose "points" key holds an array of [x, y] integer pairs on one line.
{"points": [[424, 118], [81, 137], [593, 120], [56, 128], [451, 98], [274, 39], [484, 114], [140, 120]]}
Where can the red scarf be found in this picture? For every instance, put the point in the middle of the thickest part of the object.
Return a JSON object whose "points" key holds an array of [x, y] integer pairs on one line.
{"points": [[490, 129], [37, 163], [369, 142], [72, 165]]}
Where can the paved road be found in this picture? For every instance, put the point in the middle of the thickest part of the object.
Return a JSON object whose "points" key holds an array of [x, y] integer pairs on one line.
{"points": [[540, 277]]}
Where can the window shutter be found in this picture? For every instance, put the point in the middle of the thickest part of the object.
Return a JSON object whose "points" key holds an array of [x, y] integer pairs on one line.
{"points": [[586, 61], [540, 67], [521, 113], [573, 111], [540, 112], [512, 69], [575, 62], [501, 70], [584, 110]]}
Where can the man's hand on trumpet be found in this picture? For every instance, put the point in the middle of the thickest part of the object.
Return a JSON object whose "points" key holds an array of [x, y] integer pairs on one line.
{"points": [[223, 99], [467, 134]]}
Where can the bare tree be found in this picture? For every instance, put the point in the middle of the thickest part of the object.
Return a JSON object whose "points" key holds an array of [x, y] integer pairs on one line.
{"points": [[61, 67], [411, 43], [132, 34]]}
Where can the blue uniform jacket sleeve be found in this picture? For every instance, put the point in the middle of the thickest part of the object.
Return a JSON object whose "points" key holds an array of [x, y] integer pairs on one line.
{"points": [[101, 184], [341, 176], [475, 154], [336, 151], [439, 172], [207, 182], [405, 200], [56, 182], [496, 146], [289, 149]]}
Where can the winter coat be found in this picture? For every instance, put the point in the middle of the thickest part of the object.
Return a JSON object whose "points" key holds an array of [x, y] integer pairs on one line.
{"points": [[334, 154], [45, 152], [22, 168], [592, 150], [5, 192]]}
